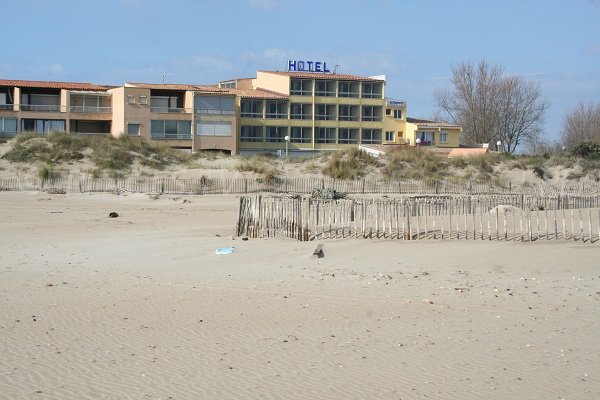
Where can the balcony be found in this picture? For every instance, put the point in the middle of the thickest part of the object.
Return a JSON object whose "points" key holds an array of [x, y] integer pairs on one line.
{"points": [[276, 115], [6, 107], [90, 109], [171, 136], [168, 110], [41, 107]]}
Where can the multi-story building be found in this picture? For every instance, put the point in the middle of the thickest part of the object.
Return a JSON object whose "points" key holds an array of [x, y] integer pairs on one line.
{"points": [[299, 111]]}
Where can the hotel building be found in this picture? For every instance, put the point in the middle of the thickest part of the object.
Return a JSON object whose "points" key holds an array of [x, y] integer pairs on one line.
{"points": [[301, 111]]}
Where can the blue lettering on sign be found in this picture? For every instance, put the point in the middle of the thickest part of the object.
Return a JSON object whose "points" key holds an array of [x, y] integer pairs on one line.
{"points": [[307, 66]]}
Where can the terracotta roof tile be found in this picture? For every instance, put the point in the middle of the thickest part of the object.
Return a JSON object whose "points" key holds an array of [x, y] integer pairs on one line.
{"points": [[258, 93], [317, 75], [51, 85], [431, 124], [466, 152]]}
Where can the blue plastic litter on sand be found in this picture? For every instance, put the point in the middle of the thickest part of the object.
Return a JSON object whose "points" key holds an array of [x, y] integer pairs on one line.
{"points": [[224, 250]]}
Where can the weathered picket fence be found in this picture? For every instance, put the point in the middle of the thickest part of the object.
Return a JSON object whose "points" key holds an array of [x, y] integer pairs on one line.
{"points": [[246, 185], [412, 218]]}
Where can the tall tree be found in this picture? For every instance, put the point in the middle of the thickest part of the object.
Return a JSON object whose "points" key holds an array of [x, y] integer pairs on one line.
{"points": [[581, 125], [491, 106]]}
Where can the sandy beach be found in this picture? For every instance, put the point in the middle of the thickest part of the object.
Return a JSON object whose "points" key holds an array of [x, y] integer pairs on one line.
{"points": [[141, 307]]}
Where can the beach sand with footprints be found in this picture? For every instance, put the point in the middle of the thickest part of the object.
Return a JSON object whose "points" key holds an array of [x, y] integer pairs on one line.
{"points": [[140, 306]]}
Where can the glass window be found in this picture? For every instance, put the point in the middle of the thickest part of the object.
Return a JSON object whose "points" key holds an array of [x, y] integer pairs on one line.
{"points": [[348, 136], [389, 136], [130, 99], [371, 113], [325, 112], [371, 136], [143, 99], [301, 87], [276, 109], [325, 135], [443, 137], [301, 134], [426, 138], [348, 89], [276, 134], [8, 127], [398, 114], [216, 128], [251, 108], [251, 133], [133, 129], [325, 88], [301, 111], [214, 104], [371, 90]]}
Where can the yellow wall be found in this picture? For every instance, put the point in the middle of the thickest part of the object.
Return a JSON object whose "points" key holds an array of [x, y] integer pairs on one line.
{"points": [[274, 82]]}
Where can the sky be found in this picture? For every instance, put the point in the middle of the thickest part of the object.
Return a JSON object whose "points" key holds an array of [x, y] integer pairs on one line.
{"points": [[415, 43]]}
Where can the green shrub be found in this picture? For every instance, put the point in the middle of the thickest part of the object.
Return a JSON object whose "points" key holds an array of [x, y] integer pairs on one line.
{"points": [[349, 164], [587, 150]]}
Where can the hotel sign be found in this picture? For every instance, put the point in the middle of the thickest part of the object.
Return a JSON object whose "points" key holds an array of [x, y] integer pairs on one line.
{"points": [[307, 66]]}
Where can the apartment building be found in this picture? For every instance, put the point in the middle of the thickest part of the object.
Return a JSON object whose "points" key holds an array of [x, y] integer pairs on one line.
{"points": [[300, 111]]}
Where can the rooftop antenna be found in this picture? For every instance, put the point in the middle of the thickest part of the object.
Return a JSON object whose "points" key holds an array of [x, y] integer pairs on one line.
{"points": [[335, 67], [165, 75]]}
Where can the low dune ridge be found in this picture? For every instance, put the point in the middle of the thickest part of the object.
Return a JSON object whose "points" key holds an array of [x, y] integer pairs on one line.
{"points": [[141, 306]]}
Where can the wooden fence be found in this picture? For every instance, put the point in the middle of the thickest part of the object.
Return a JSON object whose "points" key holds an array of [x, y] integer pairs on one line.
{"points": [[412, 218], [208, 185]]}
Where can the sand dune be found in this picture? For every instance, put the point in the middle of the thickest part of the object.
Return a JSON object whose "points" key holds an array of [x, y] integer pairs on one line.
{"points": [[140, 306]]}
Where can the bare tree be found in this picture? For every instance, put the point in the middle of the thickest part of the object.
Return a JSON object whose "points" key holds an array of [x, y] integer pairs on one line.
{"points": [[582, 125], [491, 106]]}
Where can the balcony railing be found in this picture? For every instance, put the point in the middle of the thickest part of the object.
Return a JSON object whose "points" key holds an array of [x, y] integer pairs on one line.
{"points": [[90, 109], [347, 94], [169, 110], [371, 118], [251, 115], [6, 106], [301, 116], [216, 112], [277, 115], [300, 92], [325, 117], [325, 93], [171, 136], [41, 107], [348, 118]]}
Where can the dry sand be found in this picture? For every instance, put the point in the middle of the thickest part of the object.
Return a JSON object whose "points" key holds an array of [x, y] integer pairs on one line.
{"points": [[140, 306]]}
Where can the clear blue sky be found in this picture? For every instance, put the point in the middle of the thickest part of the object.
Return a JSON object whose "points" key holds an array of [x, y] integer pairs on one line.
{"points": [[414, 42]]}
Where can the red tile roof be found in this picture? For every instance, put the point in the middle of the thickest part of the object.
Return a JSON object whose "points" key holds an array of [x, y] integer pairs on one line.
{"points": [[51, 85], [466, 152], [426, 123], [317, 75], [258, 93]]}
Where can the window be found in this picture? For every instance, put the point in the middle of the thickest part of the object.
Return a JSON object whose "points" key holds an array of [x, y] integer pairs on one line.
{"points": [[133, 129], [213, 128], [143, 99], [325, 88], [276, 134], [42, 125], [301, 111], [348, 113], [8, 127], [325, 135], [301, 87], [389, 136], [443, 137], [371, 113], [301, 134], [388, 111], [276, 109], [130, 99], [251, 108], [214, 104], [325, 112], [348, 89], [397, 114], [170, 129], [371, 90], [251, 133], [348, 136], [426, 138], [371, 136], [228, 85]]}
